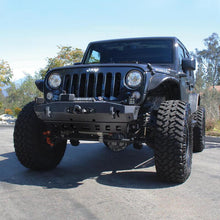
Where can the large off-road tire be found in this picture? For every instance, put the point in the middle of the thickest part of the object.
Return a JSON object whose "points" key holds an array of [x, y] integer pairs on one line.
{"points": [[173, 141], [199, 130], [31, 147]]}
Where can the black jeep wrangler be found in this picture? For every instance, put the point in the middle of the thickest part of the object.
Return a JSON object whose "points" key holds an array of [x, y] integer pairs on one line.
{"points": [[126, 91]]}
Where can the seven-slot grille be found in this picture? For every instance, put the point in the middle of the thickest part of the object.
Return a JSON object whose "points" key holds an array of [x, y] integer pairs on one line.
{"points": [[93, 84]]}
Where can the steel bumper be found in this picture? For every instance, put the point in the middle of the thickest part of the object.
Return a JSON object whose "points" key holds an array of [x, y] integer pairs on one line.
{"points": [[94, 116]]}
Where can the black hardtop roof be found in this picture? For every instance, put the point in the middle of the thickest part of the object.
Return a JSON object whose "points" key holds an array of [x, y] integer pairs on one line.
{"points": [[136, 38], [175, 39]]}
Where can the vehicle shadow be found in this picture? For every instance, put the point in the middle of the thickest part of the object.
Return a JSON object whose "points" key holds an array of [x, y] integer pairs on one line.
{"points": [[130, 168]]}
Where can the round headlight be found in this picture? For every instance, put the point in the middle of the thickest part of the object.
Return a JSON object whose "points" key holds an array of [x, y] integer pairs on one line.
{"points": [[54, 80], [133, 78]]}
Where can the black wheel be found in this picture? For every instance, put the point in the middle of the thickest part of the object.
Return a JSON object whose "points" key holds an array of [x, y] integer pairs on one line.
{"points": [[199, 130], [173, 141], [33, 148]]}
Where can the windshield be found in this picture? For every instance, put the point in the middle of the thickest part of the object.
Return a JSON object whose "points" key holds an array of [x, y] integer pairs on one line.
{"points": [[131, 51]]}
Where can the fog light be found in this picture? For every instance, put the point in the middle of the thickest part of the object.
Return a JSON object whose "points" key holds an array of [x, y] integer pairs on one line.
{"points": [[136, 95], [49, 95]]}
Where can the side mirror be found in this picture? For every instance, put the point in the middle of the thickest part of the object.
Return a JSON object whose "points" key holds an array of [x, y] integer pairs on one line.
{"points": [[188, 64], [40, 84]]}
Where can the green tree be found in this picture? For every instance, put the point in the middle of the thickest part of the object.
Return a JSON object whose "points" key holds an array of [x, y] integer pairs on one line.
{"points": [[20, 94], [28, 90], [17, 111], [14, 96], [5, 77], [209, 58], [5, 73], [66, 55], [200, 79], [2, 99], [208, 76]]}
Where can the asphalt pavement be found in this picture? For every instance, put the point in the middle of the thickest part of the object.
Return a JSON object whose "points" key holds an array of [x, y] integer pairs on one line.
{"points": [[92, 182]]}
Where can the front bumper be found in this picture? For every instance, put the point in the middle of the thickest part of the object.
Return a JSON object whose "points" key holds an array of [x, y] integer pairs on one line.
{"points": [[88, 115]]}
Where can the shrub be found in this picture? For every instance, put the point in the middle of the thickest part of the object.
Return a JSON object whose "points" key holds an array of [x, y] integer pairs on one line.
{"points": [[211, 101], [210, 124], [8, 111]]}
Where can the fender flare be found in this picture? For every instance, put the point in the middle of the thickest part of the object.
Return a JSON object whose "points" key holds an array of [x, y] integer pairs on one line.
{"points": [[161, 80], [194, 101]]}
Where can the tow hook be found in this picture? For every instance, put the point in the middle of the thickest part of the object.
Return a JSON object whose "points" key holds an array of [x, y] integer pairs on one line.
{"points": [[48, 140]]}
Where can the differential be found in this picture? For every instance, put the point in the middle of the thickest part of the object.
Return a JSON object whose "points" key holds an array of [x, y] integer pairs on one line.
{"points": [[116, 145]]}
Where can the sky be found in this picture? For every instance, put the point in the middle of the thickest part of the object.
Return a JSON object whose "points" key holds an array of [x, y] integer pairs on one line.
{"points": [[31, 30]]}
